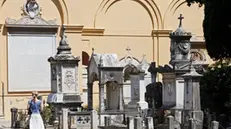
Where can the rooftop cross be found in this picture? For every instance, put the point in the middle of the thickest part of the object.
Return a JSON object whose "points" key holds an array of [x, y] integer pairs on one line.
{"points": [[143, 56], [180, 18], [93, 50], [128, 49]]}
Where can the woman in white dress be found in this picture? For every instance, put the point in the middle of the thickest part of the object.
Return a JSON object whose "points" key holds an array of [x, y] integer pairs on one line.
{"points": [[35, 106]]}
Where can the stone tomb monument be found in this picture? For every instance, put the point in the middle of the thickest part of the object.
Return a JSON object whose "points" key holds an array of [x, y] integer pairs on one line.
{"points": [[104, 69], [64, 79], [173, 82], [111, 75]]}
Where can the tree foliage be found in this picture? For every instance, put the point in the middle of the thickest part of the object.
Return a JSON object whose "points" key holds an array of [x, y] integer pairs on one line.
{"points": [[216, 88], [216, 29]]}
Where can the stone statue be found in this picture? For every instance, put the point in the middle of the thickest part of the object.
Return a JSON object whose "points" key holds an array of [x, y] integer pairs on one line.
{"points": [[32, 8]]}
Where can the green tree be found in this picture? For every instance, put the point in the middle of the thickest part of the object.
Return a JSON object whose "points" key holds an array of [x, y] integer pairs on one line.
{"points": [[216, 87], [216, 29]]}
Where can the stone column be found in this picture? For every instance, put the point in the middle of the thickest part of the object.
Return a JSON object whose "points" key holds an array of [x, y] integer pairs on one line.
{"points": [[121, 100], [101, 98], [90, 95], [170, 122], [137, 123], [149, 123], [64, 118], [94, 119], [130, 122]]}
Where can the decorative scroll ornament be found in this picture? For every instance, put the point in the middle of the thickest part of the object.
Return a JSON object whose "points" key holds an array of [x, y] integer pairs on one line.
{"points": [[197, 56], [31, 15], [184, 48], [31, 9]]}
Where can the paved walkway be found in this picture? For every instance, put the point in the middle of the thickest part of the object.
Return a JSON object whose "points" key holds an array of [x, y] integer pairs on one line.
{"points": [[7, 125], [4, 124]]}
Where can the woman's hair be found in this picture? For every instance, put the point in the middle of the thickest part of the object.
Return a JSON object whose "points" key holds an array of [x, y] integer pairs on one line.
{"points": [[35, 93]]}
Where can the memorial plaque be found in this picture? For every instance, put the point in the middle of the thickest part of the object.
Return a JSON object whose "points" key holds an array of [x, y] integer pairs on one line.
{"points": [[28, 69]]}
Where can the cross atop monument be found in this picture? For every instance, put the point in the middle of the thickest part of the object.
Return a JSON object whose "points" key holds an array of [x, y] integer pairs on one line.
{"points": [[180, 18]]}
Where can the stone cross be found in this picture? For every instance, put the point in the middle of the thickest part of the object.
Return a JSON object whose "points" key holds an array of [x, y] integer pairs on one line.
{"points": [[128, 49], [143, 56], [180, 18], [93, 50]]}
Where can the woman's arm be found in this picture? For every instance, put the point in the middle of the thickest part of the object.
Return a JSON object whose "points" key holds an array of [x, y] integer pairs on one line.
{"points": [[28, 105]]}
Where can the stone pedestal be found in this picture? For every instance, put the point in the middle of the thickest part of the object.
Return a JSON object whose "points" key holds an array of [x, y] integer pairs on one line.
{"points": [[138, 90], [192, 101]]}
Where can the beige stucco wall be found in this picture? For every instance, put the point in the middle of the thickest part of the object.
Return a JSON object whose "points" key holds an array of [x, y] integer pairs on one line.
{"points": [[109, 26]]}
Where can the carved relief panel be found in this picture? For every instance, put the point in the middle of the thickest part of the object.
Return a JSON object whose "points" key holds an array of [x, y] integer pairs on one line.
{"points": [[198, 56], [69, 79]]}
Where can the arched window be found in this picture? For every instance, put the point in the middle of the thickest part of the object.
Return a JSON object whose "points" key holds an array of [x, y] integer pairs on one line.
{"points": [[85, 58]]}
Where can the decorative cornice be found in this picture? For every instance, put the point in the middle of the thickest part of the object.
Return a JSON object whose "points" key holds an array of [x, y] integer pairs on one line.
{"points": [[74, 28], [198, 44], [161, 33], [84, 31], [92, 32]]}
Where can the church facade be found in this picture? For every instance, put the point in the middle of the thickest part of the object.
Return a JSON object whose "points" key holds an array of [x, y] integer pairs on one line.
{"points": [[30, 29]]}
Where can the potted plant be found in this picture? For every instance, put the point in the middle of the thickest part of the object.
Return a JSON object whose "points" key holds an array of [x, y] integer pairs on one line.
{"points": [[47, 114]]}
